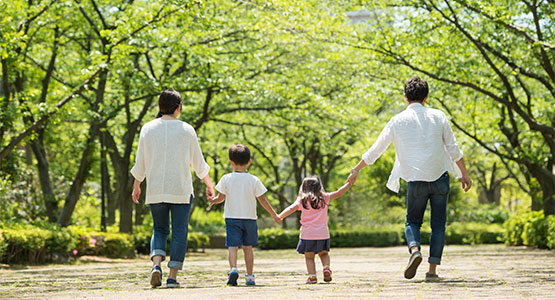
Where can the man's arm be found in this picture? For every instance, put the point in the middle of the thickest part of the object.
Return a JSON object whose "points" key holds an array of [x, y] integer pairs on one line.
{"points": [[264, 202], [378, 148], [288, 211], [465, 179]]}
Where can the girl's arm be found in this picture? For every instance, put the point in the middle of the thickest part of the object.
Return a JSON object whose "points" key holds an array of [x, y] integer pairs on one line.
{"points": [[264, 202], [340, 191], [288, 211]]}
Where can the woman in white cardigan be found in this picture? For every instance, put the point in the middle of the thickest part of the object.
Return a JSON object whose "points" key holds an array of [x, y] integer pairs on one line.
{"points": [[167, 149]]}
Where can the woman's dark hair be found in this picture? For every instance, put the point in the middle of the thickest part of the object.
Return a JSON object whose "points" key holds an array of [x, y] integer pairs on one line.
{"points": [[311, 191], [416, 89], [168, 102], [239, 154]]}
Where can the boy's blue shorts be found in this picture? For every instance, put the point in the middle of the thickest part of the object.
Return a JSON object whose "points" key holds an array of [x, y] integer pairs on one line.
{"points": [[241, 232]]}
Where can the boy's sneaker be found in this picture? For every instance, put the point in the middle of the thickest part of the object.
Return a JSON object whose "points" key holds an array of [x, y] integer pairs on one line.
{"points": [[172, 283], [432, 277], [232, 278], [327, 274], [156, 276], [312, 280], [249, 279], [414, 261]]}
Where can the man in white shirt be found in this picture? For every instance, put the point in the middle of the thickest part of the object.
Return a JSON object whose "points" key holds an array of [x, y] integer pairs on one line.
{"points": [[426, 151]]}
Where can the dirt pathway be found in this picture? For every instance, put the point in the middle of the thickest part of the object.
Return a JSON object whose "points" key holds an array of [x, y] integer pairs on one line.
{"points": [[470, 272]]}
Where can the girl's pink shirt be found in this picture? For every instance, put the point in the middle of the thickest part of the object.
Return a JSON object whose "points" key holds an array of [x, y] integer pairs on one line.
{"points": [[314, 222]]}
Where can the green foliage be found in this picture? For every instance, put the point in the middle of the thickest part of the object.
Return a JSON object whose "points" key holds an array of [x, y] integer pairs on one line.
{"points": [[488, 214], [385, 236], [25, 243], [196, 240], [114, 245], [531, 229], [210, 222], [551, 232]]}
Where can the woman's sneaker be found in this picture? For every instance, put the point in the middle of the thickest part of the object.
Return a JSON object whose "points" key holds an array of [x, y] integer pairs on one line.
{"points": [[312, 280], [327, 274], [249, 279], [232, 278], [156, 276], [172, 283]]}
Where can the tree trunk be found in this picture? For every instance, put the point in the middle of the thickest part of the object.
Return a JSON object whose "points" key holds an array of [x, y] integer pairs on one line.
{"points": [[125, 203], [50, 201], [80, 178]]}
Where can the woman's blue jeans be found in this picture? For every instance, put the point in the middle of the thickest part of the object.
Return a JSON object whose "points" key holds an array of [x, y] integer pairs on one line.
{"points": [[418, 193], [180, 224]]}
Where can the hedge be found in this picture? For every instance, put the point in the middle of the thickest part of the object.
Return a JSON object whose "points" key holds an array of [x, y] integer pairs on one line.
{"points": [[531, 229], [456, 233], [28, 244]]}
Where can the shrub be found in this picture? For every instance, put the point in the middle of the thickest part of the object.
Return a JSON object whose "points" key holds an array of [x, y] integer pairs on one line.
{"points": [[196, 240], [384, 236], [142, 236], [487, 214], [473, 233], [535, 230], [3, 245], [113, 245], [25, 245], [208, 222], [531, 229], [550, 232]]}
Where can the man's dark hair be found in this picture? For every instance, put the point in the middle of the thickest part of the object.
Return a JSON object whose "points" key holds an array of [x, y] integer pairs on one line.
{"points": [[239, 154], [416, 89], [168, 102]]}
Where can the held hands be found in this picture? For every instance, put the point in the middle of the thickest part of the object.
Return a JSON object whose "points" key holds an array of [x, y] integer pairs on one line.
{"points": [[352, 177], [277, 218]]}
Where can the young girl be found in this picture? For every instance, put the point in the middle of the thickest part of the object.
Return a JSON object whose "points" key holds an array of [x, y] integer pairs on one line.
{"points": [[313, 203]]}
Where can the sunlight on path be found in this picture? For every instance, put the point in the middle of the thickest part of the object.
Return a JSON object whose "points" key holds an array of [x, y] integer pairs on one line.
{"points": [[470, 272]]}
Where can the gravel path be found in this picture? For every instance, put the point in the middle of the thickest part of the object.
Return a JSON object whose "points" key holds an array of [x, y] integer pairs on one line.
{"points": [[469, 272]]}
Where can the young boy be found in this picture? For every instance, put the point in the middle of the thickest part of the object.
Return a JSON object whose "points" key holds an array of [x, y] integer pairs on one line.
{"points": [[241, 190]]}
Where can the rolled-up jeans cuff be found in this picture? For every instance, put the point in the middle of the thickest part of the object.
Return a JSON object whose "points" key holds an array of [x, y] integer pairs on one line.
{"points": [[414, 244], [175, 264], [158, 252], [434, 260]]}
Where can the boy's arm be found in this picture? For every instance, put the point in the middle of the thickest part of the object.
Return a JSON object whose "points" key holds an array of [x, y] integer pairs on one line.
{"points": [[264, 202], [215, 200], [340, 191], [288, 211]]}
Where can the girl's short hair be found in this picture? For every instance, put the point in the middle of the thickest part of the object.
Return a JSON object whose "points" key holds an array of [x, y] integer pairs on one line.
{"points": [[311, 191], [168, 102]]}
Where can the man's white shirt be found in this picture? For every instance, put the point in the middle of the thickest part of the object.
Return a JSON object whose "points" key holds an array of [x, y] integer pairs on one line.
{"points": [[425, 146]]}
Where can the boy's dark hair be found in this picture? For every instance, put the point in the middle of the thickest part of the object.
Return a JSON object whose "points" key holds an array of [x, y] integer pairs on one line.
{"points": [[168, 102], [416, 89], [239, 154]]}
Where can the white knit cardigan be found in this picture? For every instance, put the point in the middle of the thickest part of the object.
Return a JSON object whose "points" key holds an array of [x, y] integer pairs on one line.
{"points": [[167, 150]]}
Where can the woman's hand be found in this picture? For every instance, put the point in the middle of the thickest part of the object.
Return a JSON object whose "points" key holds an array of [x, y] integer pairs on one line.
{"points": [[136, 191], [136, 194]]}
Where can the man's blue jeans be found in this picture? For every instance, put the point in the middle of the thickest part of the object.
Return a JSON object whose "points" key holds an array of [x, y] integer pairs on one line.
{"points": [[180, 223], [418, 193]]}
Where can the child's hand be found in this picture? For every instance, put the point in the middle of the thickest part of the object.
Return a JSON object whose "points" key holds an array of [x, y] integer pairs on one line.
{"points": [[277, 219], [352, 178]]}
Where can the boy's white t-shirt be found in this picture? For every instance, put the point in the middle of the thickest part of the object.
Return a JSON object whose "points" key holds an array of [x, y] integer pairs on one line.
{"points": [[241, 191]]}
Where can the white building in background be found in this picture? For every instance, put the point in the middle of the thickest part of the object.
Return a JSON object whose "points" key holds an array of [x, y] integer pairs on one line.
{"points": [[360, 16]]}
